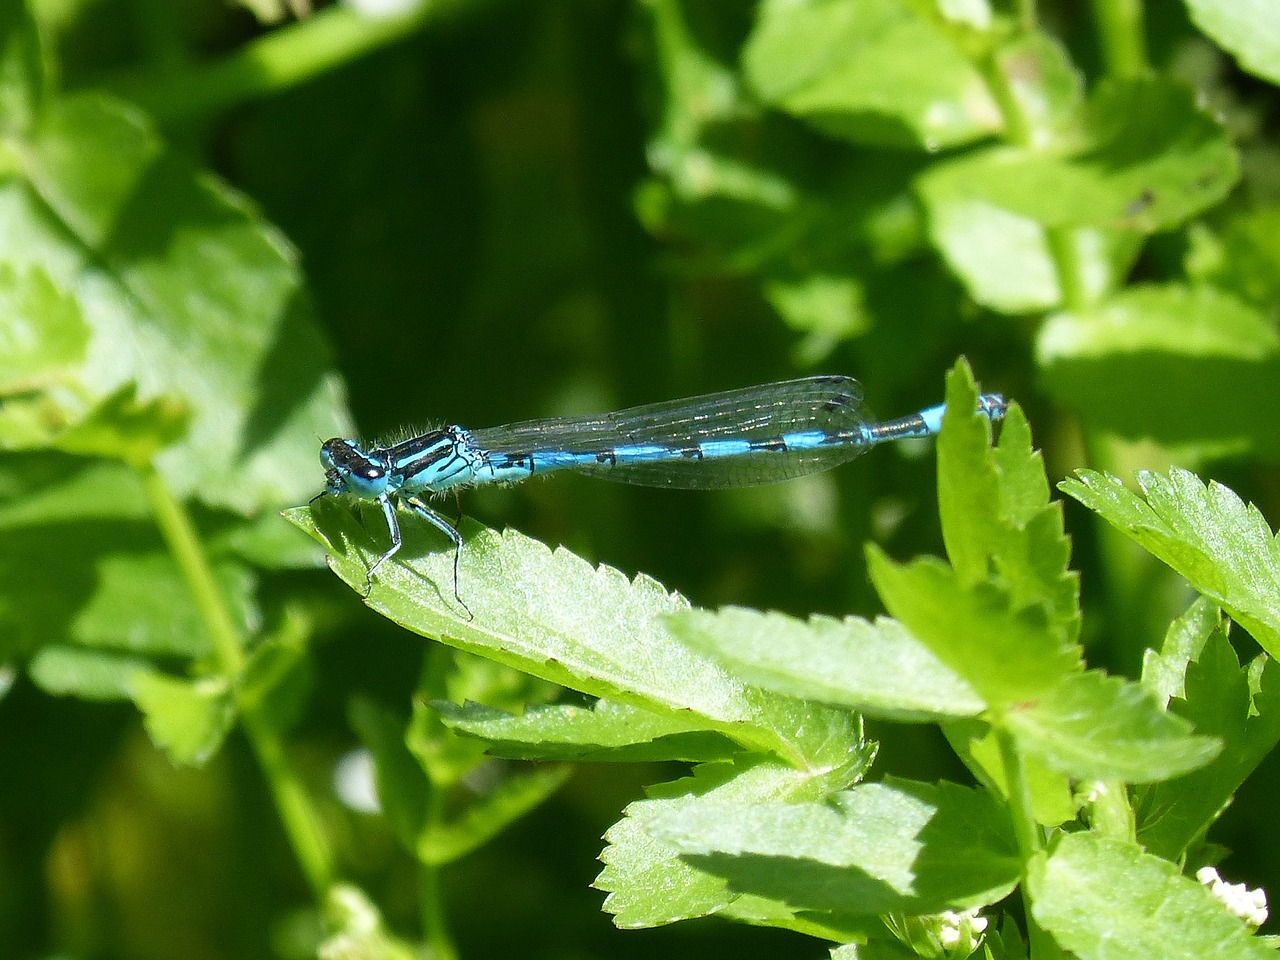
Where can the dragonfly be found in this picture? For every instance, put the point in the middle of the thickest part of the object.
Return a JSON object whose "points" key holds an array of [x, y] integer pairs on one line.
{"points": [[737, 438]]}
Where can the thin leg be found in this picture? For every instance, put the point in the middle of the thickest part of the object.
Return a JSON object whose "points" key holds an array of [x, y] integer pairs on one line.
{"points": [[393, 528], [445, 527]]}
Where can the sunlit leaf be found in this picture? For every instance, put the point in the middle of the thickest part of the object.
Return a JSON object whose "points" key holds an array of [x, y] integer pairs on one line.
{"points": [[1096, 727], [1104, 899], [552, 614], [1218, 357], [1248, 29], [898, 846], [853, 70], [1207, 534], [647, 880], [876, 668]]}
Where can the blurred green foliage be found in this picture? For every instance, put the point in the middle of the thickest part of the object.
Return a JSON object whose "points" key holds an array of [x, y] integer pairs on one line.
{"points": [[224, 239]]}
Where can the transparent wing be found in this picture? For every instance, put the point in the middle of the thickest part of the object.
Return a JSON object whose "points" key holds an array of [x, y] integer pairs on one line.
{"points": [[608, 443]]}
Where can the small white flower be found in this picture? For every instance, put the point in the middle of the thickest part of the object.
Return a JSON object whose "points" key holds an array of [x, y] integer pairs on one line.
{"points": [[354, 782], [950, 935], [960, 929], [1249, 905]]}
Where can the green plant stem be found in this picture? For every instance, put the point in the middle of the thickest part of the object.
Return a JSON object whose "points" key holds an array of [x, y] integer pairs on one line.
{"points": [[1124, 43], [184, 543], [435, 932], [301, 823], [1066, 258], [1112, 814], [1027, 831], [283, 58], [1018, 126], [1020, 131]]}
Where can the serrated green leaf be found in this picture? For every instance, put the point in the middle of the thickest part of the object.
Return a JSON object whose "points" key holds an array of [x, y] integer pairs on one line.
{"points": [[1008, 656], [1247, 29], [602, 732], [449, 676], [1224, 547], [553, 615], [1164, 672], [886, 847], [1223, 355], [852, 71], [460, 677], [1023, 486], [875, 668], [833, 926], [977, 744], [98, 207], [647, 881], [968, 495], [1095, 727], [1239, 706], [1104, 899], [186, 719], [1033, 561], [997, 519], [87, 674], [1146, 158]]}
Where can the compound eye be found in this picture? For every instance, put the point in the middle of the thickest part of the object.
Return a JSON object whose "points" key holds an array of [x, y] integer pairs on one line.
{"points": [[336, 453], [371, 471]]}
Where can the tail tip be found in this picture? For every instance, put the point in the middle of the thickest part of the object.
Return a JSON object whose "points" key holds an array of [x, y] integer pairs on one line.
{"points": [[993, 406]]}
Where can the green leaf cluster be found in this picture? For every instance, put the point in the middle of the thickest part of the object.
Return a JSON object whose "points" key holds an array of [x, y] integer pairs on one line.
{"points": [[496, 211], [778, 825], [124, 392]]}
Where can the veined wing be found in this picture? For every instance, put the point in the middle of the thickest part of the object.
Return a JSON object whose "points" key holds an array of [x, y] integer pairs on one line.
{"points": [[754, 435]]}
